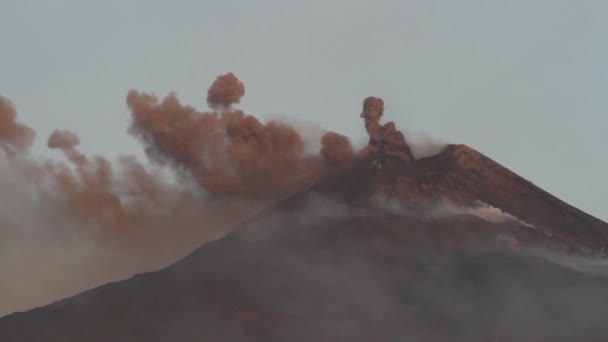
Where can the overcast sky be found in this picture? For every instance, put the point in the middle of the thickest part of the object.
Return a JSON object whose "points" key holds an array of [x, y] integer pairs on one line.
{"points": [[525, 82]]}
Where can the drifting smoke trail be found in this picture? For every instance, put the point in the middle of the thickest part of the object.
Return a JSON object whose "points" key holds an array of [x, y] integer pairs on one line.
{"points": [[207, 171], [225, 151], [228, 154], [223, 165], [14, 136]]}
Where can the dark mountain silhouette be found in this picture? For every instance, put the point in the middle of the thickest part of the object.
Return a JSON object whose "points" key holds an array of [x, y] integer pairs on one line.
{"points": [[452, 247]]}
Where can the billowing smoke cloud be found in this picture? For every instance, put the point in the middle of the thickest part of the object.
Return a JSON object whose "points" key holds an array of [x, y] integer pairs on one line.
{"points": [[63, 140], [227, 151], [385, 138], [225, 91], [14, 136], [336, 148], [207, 171], [310, 132]]}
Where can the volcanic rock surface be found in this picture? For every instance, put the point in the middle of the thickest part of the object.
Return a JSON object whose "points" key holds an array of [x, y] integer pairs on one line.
{"points": [[386, 248]]}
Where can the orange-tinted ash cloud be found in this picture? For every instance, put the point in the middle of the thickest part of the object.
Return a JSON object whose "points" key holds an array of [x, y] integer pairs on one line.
{"points": [[383, 139], [14, 136], [228, 154], [225, 91], [226, 150]]}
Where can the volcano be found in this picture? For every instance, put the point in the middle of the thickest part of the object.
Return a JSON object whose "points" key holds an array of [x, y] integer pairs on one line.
{"points": [[364, 254], [451, 247]]}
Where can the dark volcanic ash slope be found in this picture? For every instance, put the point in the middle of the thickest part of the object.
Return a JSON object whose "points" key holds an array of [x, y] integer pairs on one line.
{"points": [[339, 262], [452, 247]]}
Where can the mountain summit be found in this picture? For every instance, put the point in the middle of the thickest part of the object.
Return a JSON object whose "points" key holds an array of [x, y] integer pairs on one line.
{"points": [[383, 247]]}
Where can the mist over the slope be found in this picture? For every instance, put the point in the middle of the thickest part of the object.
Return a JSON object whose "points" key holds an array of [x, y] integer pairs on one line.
{"points": [[443, 207], [405, 291], [481, 210], [352, 268]]}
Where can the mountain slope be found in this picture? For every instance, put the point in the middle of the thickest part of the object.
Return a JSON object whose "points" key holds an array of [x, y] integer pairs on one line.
{"points": [[384, 249]]}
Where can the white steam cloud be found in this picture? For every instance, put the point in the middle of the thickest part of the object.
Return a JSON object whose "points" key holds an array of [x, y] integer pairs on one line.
{"points": [[481, 210], [423, 145]]}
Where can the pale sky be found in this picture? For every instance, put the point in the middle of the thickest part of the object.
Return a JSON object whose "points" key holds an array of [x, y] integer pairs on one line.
{"points": [[524, 82]]}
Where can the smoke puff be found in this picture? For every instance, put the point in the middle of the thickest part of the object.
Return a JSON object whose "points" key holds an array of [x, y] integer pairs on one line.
{"points": [[383, 139], [225, 91], [227, 152], [14, 136], [373, 108], [336, 148], [225, 165], [310, 132], [63, 140]]}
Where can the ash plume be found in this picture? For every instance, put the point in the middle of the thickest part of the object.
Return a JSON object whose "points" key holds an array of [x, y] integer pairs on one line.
{"points": [[336, 148], [385, 139], [229, 154], [207, 171], [227, 151], [63, 140], [14, 136], [225, 91]]}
